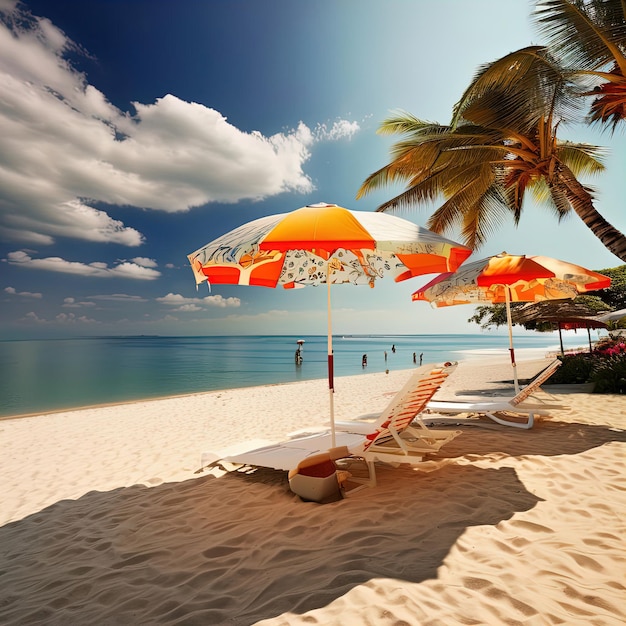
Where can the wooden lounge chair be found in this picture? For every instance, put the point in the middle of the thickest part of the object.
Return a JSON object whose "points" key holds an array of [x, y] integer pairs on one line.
{"points": [[496, 408], [391, 439]]}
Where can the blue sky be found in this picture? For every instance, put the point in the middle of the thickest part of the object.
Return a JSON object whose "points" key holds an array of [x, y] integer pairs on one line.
{"points": [[132, 132]]}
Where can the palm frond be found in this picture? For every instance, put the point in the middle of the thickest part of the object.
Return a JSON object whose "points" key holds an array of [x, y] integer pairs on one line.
{"points": [[489, 215], [559, 201], [582, 159], [541, 192], [405, 123], [409, 199], [378, 179], [552, 196], [587, 34], [521, 86], [418, 159], [502, 110], [514, 197], [467, 191]]}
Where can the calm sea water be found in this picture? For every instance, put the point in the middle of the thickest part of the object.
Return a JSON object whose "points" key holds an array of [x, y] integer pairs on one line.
{"points": [[41, 376]]}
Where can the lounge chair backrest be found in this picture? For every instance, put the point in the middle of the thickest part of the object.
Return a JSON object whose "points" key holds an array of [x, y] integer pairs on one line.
{"points": [[408, 404], [536, 382]]}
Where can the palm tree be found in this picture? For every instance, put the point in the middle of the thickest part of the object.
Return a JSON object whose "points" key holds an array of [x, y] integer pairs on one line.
{"points": [[589, 36], [502, 140]]}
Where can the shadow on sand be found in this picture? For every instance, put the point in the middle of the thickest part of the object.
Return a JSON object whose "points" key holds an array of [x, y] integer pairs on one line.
{"points": [[243, 548], [546, 438]]}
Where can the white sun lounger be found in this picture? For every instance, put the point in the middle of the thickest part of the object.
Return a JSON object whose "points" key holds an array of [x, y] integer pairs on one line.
{"points": [[496, 407], [286, 455], [391, 439]]}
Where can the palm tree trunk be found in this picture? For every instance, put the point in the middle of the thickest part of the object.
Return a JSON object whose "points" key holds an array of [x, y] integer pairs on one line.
{"points": [[582, 203]]}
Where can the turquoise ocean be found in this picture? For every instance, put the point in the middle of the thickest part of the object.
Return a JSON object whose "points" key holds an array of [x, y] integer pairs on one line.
{"points": [[49, 375]]}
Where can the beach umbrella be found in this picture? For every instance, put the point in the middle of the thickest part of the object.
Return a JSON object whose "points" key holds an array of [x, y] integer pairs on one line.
{"points": [[506, 278], [324, 244]]}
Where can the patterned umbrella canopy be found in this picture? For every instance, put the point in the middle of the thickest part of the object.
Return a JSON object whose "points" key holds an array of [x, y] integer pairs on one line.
{"points": [[507, 278], [324, 243], [297, 248]]}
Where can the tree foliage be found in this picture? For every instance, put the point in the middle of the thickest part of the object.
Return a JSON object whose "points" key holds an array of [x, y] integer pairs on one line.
{"points": [[487, 316], [615, 295]]}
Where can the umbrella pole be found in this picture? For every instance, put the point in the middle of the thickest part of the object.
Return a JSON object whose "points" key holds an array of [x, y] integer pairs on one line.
{"points": [[561, 340], [331, 364], [507, 295]]}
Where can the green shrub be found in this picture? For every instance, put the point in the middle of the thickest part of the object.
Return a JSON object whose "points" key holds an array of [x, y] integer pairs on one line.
{"points": [[576, 369], [609, 374]]}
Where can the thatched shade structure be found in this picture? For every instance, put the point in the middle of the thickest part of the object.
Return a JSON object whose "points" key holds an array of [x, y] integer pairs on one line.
{"points": [[565, 314]]}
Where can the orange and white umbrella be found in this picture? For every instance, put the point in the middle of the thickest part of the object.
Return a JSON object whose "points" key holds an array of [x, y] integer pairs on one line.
{"points": [[295, 249], [507, 278], [325, 244]]}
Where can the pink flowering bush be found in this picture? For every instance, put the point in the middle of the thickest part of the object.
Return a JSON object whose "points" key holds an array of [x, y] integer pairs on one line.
{"points": [[605, 366], [609, 369], [611, 347]]}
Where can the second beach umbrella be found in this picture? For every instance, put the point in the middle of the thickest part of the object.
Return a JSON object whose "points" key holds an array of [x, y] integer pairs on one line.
{"points": [[325, 243], [506, 278]]}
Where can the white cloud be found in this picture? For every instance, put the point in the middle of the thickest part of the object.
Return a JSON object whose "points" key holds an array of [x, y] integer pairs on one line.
{"points": [[7, 5], [144, 262], [71, 303], [32, 317], [61, 319], [119, 297], [23, 294], [70, 318], [95, 269], [341, 129], [62, 148], [197, 304], [131, 270]]}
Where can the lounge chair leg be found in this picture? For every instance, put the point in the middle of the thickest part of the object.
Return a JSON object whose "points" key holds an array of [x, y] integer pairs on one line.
{"points": [[372, 471], [370, 481], [524, 425]]}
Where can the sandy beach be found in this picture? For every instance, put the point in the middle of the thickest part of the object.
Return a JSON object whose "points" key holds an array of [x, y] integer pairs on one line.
{"points": [[107, 517]]}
